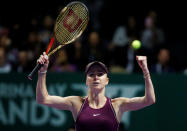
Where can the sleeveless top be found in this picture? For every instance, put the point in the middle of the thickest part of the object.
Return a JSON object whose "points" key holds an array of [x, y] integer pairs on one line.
{"points": [[102, 119]]}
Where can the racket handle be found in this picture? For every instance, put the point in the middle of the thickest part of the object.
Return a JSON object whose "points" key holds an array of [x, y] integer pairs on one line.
{"points": [[36, 68]]}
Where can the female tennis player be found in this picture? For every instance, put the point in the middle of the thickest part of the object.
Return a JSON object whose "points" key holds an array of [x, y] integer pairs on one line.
{"points": [[95, 112]]}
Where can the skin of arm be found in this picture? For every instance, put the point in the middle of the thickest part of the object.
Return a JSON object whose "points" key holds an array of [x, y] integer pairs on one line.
{"points": [[123, 104], [71, 103]]}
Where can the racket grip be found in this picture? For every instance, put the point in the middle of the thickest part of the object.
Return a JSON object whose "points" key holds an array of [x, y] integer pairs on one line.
{"points": [[36, 68]]}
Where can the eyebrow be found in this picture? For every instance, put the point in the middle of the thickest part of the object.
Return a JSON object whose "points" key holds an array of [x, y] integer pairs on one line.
{"points": [[92, 72]]}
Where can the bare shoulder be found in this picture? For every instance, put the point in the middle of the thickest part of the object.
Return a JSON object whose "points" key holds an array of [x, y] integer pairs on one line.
{"points": [[76, 99], [118, 100]]}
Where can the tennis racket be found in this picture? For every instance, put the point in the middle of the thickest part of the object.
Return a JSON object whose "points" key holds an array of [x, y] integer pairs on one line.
{"points": [[70, 24]]}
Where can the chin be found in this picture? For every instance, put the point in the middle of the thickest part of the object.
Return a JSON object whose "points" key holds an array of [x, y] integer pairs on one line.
{"points": [[97, 87]]}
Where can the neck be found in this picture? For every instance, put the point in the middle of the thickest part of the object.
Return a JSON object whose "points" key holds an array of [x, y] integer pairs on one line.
{"points": [[96, 98]]}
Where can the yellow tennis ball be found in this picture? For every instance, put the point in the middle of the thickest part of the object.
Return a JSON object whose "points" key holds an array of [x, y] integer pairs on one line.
{"points": [[136, 44]]}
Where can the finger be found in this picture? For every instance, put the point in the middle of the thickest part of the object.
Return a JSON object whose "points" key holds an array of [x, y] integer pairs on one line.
{"points": [[136, 57], [45, 57], [46, 62], [141, 58], [40, 61]]}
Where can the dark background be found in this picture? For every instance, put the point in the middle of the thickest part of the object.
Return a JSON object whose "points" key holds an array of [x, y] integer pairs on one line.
{"points": [[171, 18]]}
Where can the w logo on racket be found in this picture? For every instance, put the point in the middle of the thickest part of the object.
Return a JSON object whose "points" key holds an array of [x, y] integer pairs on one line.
{"points": [[71, 21], [70, 24]]}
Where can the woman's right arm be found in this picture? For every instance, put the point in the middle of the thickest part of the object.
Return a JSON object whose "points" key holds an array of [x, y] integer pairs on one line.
{"points": [[42, 96]]}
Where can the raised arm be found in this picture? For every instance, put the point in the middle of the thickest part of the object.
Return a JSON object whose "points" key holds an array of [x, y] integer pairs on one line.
{"points": [[129, 104], [42, 96]]}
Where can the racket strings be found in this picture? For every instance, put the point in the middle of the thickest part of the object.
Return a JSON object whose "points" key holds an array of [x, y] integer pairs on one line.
{"points": [[68, 37], [81, 27], [62, 35], [60, 30], [65, 36]]}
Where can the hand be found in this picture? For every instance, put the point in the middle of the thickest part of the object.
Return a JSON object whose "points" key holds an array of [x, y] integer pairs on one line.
{"points": [[142, 61], [44, 61]]}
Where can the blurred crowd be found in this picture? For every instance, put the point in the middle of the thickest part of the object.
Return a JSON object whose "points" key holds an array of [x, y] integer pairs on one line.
{"points": [[21, 46]]}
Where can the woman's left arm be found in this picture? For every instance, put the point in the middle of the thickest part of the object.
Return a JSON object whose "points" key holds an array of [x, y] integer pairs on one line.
{"points": [[149, 97], [130, 104]]}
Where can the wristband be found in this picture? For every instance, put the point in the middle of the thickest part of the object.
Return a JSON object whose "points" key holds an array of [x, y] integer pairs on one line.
{"points": [[147, 75], [42, 72]]}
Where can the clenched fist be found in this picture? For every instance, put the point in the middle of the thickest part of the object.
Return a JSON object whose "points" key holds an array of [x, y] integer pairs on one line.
{"points": [[44, 61], [142, 61]]}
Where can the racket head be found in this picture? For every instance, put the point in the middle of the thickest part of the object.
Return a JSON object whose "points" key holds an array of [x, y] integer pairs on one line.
{"points": [[71, 22]]}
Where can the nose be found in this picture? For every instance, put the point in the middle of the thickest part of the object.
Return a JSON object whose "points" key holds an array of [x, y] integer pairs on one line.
{"points": [[95, 77]]}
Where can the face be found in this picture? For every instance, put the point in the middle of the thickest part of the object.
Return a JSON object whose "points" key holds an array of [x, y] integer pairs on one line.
{"points": [[2, 57], [148, 22], [164, 56], [96, 78], [94, 39]]}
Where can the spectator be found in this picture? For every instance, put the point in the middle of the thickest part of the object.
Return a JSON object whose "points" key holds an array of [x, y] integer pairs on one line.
{"points": [[121, 46], [132, 29], [163, 62], [34, 45], [75, 54], [5, 41], [24, 64], [129, 59], [152, 37], [95, 7], [95, 48], [47, 29], [130, 54], [5, 67], [62, 63]]}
